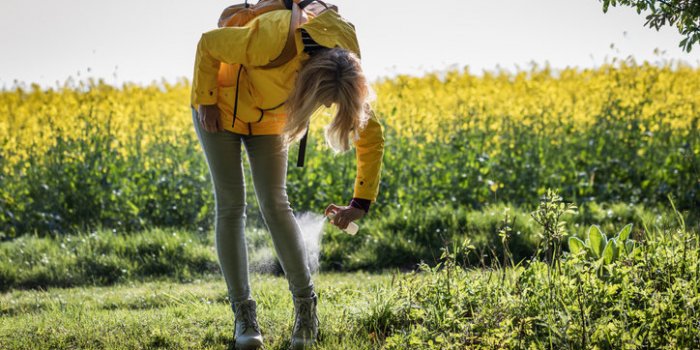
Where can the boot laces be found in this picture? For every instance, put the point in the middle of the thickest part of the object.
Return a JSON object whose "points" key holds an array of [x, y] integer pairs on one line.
{"points": [[305, 316], [246, 315]]}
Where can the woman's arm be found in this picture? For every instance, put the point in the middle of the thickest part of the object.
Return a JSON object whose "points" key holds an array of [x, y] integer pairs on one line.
{"points": [[227, 45], [255, 44], [369, 150]]}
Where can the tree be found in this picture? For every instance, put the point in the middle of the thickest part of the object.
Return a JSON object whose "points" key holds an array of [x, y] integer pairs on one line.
{"points": [[684, 14]]}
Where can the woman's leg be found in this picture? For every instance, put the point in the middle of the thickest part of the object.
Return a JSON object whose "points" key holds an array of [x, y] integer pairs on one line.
{"points": [[268, 162], [223, 154]]}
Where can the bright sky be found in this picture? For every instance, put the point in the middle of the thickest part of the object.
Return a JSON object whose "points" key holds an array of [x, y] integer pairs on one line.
{"points": [[47, 41]]}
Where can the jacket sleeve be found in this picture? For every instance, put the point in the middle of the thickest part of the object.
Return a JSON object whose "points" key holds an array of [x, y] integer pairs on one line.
{"points": [[369, 149], [225, 45]]}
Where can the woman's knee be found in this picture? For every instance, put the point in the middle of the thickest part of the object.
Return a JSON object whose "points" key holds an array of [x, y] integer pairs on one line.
{"points": [[274, 204], [230, 200], [232, 209]]}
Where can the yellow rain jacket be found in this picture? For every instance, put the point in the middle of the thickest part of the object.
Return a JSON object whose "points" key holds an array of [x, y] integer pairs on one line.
{"points": [[262, 93]]}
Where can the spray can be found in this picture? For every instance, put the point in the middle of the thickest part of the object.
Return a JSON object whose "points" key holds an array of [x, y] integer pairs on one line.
{"points": [[352, 227]]}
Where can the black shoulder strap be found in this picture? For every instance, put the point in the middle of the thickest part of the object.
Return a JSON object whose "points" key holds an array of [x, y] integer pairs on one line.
{"points": [[305, 3], [302, 149]]}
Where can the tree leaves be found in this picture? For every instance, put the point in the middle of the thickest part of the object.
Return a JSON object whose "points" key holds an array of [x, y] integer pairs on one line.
{"points": [[684, 14]]}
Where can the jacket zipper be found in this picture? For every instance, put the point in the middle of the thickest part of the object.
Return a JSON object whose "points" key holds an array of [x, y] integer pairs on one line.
{"points": [[235, 103]]}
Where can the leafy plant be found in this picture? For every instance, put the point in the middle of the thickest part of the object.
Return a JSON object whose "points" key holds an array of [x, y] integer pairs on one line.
{"points": [[598, 247], [635, 305], [549, 216]]}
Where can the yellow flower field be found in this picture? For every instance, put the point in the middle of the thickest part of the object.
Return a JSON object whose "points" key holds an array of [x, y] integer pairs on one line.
{"points": [[622, 132]]}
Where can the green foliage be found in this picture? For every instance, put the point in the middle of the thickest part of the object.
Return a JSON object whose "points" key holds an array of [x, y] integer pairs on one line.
{"points": [[103, 258], [624, 296], [598, 247], [684, 14], [648, 302], [408, 236], [87, 182], [549, 216], [499, 235], [596, 240], [640, 300]]}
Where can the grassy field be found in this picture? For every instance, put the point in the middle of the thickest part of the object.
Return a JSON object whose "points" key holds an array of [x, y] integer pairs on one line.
{"points": [[644, 296], [395, 239], [172, 315], [629, 288]]}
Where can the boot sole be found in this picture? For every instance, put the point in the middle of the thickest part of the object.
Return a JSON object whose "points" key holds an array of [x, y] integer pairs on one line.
{"points": [[248, 347]]}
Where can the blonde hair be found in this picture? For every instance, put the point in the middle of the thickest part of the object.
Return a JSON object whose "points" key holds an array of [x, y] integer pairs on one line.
{"points": [[329, 76]]}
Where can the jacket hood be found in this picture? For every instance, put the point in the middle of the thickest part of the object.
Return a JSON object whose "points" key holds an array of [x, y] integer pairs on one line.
{"points": [[329, 29]]}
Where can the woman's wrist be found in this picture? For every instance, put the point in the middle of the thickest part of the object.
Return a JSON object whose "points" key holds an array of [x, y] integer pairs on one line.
{"points": [[361, 203]]}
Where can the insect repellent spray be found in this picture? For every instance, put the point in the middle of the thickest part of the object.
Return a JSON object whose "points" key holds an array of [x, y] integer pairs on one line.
{"points": [[352, 227]]}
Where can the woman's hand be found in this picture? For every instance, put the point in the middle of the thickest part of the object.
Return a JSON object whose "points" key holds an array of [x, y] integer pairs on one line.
{"points": [[344, 215], [209, 118]]}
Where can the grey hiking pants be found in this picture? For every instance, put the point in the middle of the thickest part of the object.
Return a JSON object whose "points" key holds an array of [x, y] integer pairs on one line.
{"points": [[267, 156]]}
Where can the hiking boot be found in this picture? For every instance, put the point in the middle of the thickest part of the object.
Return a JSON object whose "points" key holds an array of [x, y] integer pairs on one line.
{"points": [[305, 330], [246, 331]]}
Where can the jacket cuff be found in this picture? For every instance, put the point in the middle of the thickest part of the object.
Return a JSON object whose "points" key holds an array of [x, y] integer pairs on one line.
{"points": [[361, 203], [206, 96]]}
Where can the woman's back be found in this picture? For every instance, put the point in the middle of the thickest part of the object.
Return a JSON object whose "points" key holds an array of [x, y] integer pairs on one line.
{"points": [[256, 96]]}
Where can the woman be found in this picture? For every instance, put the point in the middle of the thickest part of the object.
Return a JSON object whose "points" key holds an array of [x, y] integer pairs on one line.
{"points": [[236, 102]]}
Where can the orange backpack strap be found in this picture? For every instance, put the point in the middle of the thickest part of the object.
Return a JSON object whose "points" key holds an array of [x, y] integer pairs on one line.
{"points": [[314, 7], [290, 47]]}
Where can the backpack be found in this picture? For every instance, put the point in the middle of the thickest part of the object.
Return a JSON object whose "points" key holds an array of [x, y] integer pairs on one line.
{"points": [[240, 14]]}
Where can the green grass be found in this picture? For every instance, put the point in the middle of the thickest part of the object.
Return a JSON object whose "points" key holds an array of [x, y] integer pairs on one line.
{"points": [[644, 296], [103, 257], [172, 315], [642, 300], [399, 238]]}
